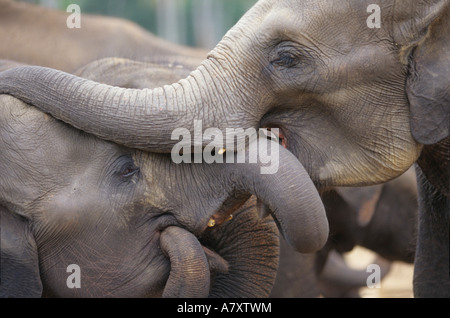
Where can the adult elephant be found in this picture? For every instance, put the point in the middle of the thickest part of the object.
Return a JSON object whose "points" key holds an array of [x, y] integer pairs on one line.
{"points": [[36, 35], [370, 101], [134, 223]]}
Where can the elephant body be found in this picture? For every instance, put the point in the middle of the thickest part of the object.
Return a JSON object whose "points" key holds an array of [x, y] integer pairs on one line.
{"points": [[36, 35]]}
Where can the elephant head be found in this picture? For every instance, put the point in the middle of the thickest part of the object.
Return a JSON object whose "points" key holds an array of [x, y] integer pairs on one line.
{"points": [[366, 100]]}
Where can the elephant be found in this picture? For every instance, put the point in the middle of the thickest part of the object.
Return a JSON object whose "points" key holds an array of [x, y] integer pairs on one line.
{"points": [[135, 223], [339, 280], [22, 26], [300, 275], [129, 73], [369, 102]]}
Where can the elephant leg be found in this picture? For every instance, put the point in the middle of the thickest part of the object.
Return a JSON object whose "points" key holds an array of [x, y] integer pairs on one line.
{"points": [[431, 266]]}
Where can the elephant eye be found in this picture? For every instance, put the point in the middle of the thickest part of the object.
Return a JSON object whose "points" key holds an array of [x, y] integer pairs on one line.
{"points": [[125, 168], [286, 59], [129, 172], [288, 54]]}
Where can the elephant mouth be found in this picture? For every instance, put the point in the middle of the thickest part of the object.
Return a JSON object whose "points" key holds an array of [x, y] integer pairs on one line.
{"points": [[211, 264], [194, 261], [193, 254]]}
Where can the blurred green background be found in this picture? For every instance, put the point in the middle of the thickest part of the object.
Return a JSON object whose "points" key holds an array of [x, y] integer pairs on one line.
{"points": [[199, 23]]}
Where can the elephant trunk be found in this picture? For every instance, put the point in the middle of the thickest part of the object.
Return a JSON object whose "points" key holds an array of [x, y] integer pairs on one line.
{"points": [[337, 273], [136, 118], [285, 191], [189, 273]]}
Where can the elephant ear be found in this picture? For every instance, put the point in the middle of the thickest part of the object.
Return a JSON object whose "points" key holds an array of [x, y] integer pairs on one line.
{"points": [[428, 87], [19, 267]]}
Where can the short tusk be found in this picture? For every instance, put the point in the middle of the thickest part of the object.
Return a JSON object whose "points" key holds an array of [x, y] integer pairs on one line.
{"points": [[211, 222]]}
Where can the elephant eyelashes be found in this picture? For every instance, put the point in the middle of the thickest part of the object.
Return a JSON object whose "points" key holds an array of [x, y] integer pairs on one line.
{"points": [[287, 55], [286, 60], [125, 168], [129, 172]]}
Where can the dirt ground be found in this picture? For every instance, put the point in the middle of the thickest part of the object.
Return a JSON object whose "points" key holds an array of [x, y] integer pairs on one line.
{"points": [[396, 284]]}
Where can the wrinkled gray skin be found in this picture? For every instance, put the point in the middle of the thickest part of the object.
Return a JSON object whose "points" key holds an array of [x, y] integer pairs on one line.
{"points": [[36, 35], [371, 102], [135, 222], [381, 218], [357, 216], [136, 74]]}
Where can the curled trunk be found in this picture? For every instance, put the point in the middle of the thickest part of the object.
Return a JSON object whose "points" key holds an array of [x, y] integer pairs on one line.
{"points": [[189, 273], [289, 195]]}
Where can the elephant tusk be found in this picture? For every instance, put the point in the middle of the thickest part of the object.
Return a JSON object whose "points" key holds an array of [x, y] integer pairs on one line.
{"points": [[211, 222]]}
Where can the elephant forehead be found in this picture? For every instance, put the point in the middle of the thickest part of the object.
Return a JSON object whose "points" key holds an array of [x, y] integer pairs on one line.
{"points": [[312, 23]]}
